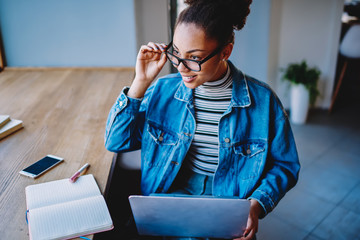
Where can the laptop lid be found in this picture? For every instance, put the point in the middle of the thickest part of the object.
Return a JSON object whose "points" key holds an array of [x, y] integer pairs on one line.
{"points": [[190, 216]]}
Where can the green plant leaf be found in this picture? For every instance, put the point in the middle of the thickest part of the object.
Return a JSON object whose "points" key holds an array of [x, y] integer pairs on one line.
{"points": [[300, 73]]}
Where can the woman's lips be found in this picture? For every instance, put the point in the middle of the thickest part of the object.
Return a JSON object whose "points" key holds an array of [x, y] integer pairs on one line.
{"points": [[188, 78]]}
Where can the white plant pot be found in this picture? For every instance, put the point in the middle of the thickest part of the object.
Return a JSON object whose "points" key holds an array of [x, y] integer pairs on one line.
{"points": [[299, 103]]}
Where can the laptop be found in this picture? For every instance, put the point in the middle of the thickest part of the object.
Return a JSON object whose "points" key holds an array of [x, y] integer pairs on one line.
{"points": [[190, 216]]}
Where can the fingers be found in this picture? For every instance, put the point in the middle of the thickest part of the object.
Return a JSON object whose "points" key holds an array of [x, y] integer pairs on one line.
{"points": [[153, 47], [152, 52], [162, 61], [249, 236], [157, 46], [252, 226], [145, 48], [150, 61]]}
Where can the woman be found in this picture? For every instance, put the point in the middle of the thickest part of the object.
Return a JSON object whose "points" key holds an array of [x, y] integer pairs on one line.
{"points": [[209, 129]]}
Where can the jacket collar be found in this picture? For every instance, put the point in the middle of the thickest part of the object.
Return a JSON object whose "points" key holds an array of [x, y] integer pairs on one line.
{"points": [[240, 92], [183, 93]]}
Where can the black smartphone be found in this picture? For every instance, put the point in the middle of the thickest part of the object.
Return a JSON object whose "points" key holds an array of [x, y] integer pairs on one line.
{"points": [[41, 166]]}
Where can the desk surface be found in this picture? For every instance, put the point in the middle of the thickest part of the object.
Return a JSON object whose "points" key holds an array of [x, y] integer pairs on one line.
{"points": [[64, 113]]}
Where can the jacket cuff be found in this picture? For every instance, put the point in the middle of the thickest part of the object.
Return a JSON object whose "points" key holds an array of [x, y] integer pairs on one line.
{"points": [[265, 201], [131, 104]]}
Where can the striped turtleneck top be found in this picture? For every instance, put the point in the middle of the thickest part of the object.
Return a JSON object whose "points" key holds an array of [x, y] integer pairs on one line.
{"points": [[211, 100]]}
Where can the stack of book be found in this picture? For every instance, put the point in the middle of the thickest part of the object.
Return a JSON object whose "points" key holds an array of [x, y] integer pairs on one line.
{"points": [[9, 125]]}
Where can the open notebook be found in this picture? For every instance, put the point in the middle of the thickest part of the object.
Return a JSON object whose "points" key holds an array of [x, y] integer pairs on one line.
{"points": [[61, 209]]}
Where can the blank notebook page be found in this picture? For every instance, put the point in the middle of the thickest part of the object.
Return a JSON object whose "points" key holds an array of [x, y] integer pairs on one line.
{"points": [[61, 209], [59, 222], [50, 193]]}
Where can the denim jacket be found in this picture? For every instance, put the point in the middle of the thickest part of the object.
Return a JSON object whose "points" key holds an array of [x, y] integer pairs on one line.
{"points": [[257, 152]]}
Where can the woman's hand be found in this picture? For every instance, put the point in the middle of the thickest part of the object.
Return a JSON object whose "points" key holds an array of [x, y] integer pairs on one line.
{"points": [[149, 63], [253, 221]]}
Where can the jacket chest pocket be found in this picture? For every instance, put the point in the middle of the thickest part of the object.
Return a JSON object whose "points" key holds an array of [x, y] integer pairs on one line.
{"points": [[249, 158], [161, 136], [160, 146]]}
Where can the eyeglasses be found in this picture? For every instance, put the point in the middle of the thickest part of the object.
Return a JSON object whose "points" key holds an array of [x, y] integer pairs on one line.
{"points": [[192, 65]]}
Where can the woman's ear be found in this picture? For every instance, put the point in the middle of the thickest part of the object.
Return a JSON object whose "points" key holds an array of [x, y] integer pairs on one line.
{"points": [[226, 52]]}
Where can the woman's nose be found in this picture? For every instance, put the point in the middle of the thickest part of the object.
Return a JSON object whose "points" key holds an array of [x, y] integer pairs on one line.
{"points": [[181, 68]]}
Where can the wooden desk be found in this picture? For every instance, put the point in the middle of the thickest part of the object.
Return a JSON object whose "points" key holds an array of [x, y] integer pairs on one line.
{"points": [[64, 113]]}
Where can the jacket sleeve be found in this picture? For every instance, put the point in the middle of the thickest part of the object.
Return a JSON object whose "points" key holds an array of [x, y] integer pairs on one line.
{"points": [[282, 167], [125, 123]]}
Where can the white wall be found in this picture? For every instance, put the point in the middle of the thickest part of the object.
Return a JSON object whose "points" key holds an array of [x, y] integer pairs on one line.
{"points": [[152, 24], [68, 32], [251, 48], [307, 30], [279, 32]]}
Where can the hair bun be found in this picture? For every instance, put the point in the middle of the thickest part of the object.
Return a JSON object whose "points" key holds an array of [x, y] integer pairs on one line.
{"points": [[238, 11], [191, 2], [235, 10], [218, 18]]}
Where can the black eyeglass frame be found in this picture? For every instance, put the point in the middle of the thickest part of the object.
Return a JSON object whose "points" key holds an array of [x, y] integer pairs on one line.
{"points": [[182, 60]]}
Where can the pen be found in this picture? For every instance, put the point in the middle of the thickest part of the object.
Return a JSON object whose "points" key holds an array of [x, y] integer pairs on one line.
{"points": [[77, 174]]}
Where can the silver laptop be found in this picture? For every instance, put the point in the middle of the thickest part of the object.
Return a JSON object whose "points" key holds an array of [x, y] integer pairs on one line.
{"points": [[190, 216]]}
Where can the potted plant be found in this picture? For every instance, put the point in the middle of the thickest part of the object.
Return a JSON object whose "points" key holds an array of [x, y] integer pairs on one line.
{"points": [[304, 90]]}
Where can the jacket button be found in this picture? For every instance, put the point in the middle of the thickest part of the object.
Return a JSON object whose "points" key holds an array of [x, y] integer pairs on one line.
{"points": [[161, 138], [248, 151], [227, 140], [121, 103]]}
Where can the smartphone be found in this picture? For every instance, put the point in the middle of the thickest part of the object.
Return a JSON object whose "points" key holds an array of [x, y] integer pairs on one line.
{"points": [[41, 166]]}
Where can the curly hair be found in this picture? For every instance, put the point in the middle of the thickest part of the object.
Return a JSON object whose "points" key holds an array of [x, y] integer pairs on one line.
{"points": [[218, 18]]}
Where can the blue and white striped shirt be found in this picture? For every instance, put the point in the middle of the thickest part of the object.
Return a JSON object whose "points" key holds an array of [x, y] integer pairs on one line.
{"points": [[211, 100]]}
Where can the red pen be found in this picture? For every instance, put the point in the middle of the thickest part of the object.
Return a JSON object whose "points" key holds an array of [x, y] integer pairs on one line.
{"points": [[77, 174]]}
